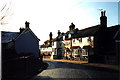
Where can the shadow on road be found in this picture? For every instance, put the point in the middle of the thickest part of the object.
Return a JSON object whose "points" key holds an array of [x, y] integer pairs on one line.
{"points": [[19, 69], [66, 70], [42, 78], [54, 65]]}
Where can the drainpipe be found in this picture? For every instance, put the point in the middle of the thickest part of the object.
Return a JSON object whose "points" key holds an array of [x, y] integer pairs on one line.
{"points": [[71, 46]]}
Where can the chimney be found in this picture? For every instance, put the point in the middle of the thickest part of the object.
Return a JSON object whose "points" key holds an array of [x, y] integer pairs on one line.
{"points": [[21, 30], [101, 13], [50, 35], [104, 13], [27, 24], [103, 19], [59, 32], [71, 27], [76, 30], [63, 33]]}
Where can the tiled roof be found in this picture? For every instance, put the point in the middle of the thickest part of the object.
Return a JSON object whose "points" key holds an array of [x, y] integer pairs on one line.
{"points": [[114, 31], [46, 45], [54, 39], [75, 47], [117, 36], [86, 32], [29, 30], [9, 36]]}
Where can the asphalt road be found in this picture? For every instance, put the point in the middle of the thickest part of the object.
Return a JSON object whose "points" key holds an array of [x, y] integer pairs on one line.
{"points": [[64, 70]]}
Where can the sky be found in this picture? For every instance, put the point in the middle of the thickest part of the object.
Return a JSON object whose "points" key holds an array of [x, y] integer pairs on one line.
{"points": [[47, 16]]}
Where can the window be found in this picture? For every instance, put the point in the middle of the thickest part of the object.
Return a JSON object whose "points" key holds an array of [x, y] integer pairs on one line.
{"points": [[52, 43], [60, 44], [89, 39], [67, 44], [84, 52], [74, 40], [80, 39], [66, 36]]}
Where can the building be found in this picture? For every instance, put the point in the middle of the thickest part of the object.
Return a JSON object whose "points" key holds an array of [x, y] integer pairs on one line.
{"points": [[20, 54], [72, 48], [98, 44], [99, 41], [58, 46], [46, 48], [23, 43], [85, 38], [54, 47]]}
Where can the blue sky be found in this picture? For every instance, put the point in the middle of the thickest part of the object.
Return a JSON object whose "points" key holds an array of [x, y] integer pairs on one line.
{"points": [[47, 16], [119, 12], [111, 10]]}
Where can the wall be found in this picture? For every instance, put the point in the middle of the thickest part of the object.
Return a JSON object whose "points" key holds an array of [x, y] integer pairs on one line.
{"points": [[27, 43], [67, 43], [54, 45], [46, 51], [84, 42], [60, 49]]}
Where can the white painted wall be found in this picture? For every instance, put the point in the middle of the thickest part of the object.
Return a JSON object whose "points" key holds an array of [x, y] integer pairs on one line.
{"points": [[27, 43], [67, 43], [55, 44], [47, 49], [84, 42], [55, 47]]}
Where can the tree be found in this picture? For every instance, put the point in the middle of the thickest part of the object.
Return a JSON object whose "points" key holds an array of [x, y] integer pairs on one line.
{"points": [[5, 11]]}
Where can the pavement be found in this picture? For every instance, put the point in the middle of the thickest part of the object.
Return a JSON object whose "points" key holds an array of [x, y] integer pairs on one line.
{"points": [[114, 67]]}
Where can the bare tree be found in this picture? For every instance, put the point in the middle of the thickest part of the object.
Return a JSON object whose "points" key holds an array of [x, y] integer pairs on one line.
{"points": [[5, 11]]}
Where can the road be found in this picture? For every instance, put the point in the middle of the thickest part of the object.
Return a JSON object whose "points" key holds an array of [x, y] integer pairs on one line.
{"points": [[64, 70]]}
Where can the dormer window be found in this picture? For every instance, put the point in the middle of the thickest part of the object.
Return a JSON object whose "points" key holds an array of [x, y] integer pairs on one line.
{"points": [[71, 32], [69, 35], [63, 37], [66, 36], [89, 39]]}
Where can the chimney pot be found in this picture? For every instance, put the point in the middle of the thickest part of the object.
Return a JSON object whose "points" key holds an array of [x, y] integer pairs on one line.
{"points": [[27, 24], [101, 13], [103, 19], [21, 30], [72, 26], [104, 13]]}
